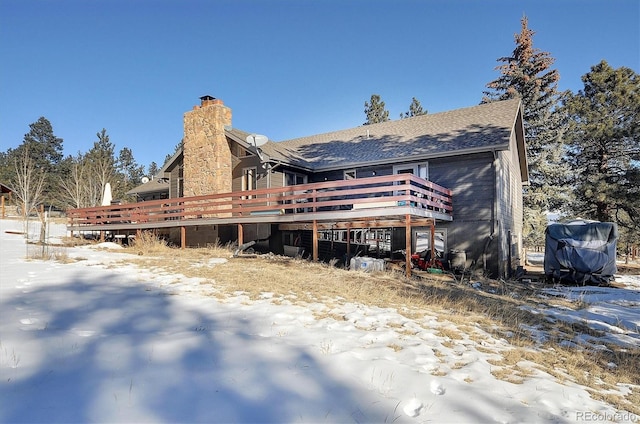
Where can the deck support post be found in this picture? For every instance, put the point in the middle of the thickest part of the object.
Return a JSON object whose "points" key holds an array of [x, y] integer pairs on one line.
{"points": [[348, 245], [183, 237], [432, 243], [240, 235], [315, 240], [2, 205], [407, 227], [101, 236]]}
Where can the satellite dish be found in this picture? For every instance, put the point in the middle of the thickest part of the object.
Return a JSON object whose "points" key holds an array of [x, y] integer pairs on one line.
{"points": [[145, 180], [257, 139]]}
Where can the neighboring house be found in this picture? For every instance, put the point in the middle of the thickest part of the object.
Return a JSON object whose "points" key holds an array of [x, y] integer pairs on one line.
{"points": [[6, 193], [479, 153], [5, 190]]}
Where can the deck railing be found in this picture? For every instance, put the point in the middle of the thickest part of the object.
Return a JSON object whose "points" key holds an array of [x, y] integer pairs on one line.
{"points": [[375, 192]]}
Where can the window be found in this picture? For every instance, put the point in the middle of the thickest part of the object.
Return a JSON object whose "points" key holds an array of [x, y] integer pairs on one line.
{"points": [[293, 178], [418, 169], [423, 242], [249, 180], [350, 174], [180, 182]]}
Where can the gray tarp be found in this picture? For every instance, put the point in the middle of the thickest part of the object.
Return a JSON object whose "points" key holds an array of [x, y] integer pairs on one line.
{"points": [[581, 252]]}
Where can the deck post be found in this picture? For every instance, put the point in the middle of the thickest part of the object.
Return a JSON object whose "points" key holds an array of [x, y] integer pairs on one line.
{"points": [[240, 235], [101, 236], [432, 243], [183, 237], [407, 227], [315, 240], [348, 244], [2, 205]]}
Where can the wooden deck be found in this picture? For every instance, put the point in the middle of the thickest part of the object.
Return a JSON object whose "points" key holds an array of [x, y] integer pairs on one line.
{"points": [[378, 202], [366, 198]]}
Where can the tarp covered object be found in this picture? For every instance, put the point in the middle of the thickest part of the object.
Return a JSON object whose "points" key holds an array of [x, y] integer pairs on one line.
{"points": [[581, 252]]}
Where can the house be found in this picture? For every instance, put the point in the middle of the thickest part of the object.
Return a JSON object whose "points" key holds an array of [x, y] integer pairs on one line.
{"points": [[6, 192], [478, 153]]}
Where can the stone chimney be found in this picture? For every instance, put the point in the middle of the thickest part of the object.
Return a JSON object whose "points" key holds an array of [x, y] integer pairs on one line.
{"points": [[207, 157]]}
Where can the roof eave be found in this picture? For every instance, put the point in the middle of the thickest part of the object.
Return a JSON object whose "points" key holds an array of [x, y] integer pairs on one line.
{"points": [[140, 190], [521, 143], [248, 147]]}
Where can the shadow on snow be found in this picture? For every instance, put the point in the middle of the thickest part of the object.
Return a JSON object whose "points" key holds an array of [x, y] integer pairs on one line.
{"points": [[113, 351]]}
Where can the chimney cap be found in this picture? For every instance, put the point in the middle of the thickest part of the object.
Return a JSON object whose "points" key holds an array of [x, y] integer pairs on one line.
{"points": [[207, 97]]}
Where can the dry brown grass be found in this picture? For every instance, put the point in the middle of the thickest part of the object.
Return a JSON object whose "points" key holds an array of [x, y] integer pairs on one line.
{"points": [[49, 253], [395, 347], [473, 311], [75, 241], [513, 374], [147, 243], [450, 333]]}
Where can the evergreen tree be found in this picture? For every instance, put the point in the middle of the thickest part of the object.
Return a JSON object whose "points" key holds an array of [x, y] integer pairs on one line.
{"points": [[415, 109], [44, 147], [44, 155], [527, 74], [153, 169], [6, 167], [130, 173], [375, 110], [100, 164], [604, 140], [178, 147]]}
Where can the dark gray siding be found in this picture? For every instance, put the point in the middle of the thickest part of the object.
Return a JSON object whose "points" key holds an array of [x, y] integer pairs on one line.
{"points": [[363, 172], [471, 178]]}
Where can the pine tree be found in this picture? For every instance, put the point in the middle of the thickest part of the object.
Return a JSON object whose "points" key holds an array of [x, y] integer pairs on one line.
{"points": [[130, 172], [527, 74], [415, 109], [375, 110], [178, 147], [45, 148], [45, 155], [101, 167], [604, 140], [153, 169]]}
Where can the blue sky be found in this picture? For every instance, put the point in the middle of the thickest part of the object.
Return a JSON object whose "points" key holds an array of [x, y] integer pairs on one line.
{"points": [[287, 68]]}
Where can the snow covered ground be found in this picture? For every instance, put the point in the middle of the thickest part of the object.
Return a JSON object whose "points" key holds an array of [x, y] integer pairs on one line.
{"points": [[90, 341]]}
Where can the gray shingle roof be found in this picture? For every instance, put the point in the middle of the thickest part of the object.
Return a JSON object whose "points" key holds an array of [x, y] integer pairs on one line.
{"points": [[152, 186], [483, 127]]}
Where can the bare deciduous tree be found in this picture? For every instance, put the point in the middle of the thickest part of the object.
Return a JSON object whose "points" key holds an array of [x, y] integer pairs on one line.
{"points": [[73, 187], [28, 184]]}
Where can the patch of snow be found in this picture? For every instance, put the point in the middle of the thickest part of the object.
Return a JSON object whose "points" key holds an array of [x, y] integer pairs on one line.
{"points": [[437, 388], [413, 407], [86, 341]]}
